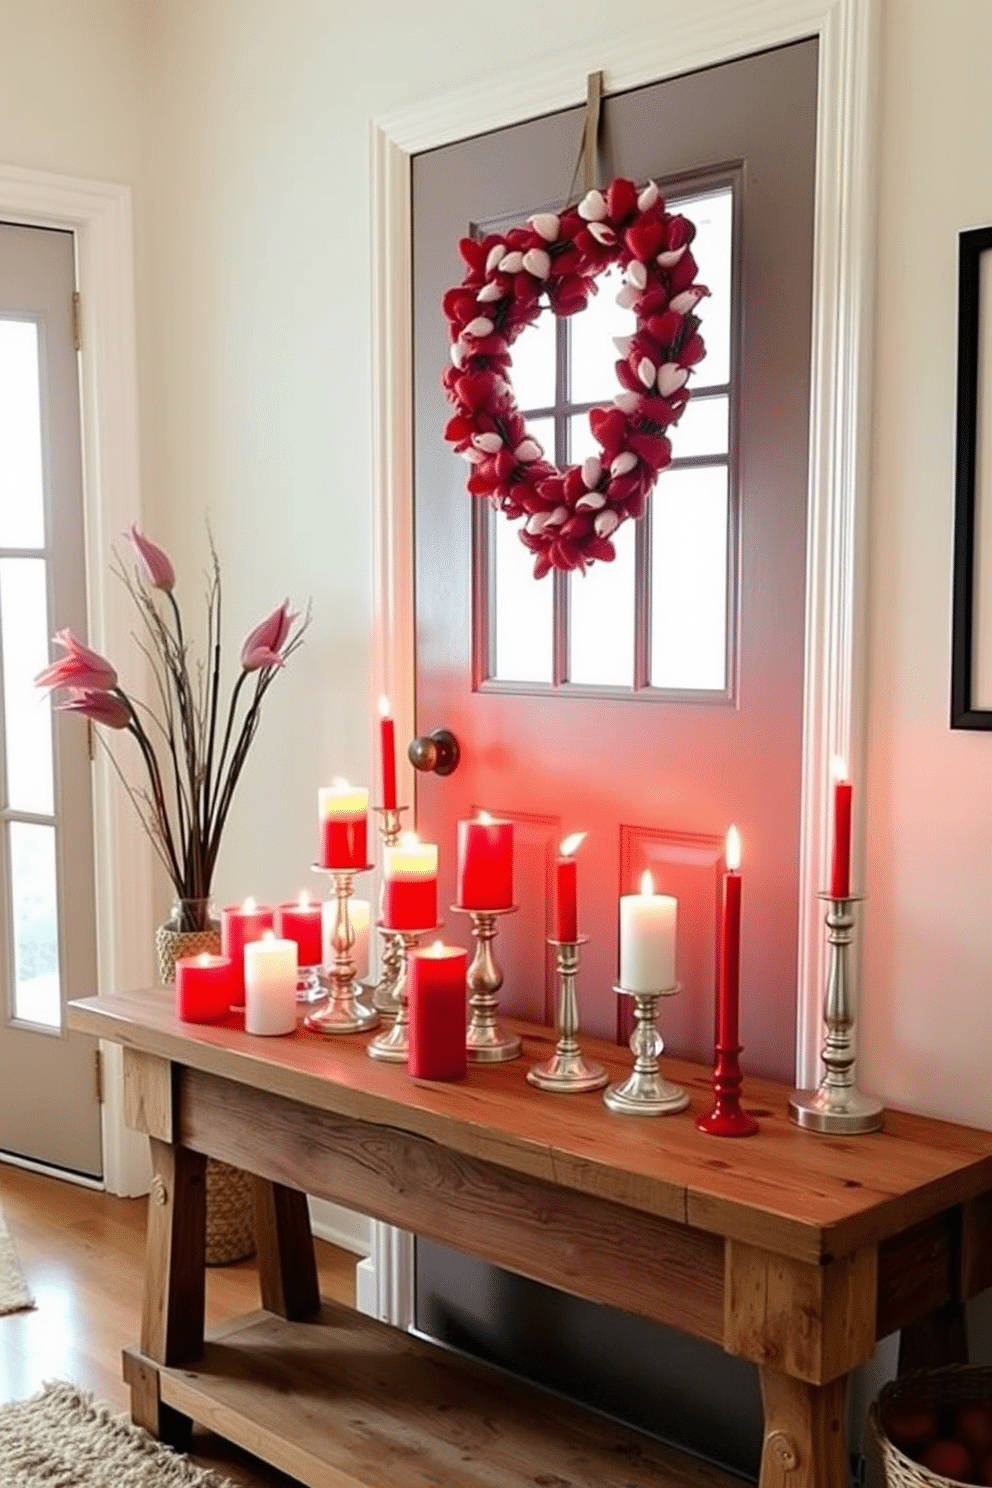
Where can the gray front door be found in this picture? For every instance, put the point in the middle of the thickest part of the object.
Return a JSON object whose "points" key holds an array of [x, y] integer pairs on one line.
{"points": [[652, 702]]}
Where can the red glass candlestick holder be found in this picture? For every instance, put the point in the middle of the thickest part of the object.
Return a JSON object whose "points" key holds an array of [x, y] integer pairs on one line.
{"points": [[726, 1119]]}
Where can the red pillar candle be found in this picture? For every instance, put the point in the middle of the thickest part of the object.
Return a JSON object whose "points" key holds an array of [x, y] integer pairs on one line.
{"points": [[343, 810], [409, 897], [239, 925], [436, 1000], [204, 988], [728, 1000], [387, 741], [485, 863], [566, 905], [840, 872], [302, 922]]}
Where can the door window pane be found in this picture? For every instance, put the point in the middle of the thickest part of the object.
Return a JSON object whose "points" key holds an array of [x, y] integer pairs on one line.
{"points": [[22, 522], [524, 609], [689, 579], [37, 997], [532, 363], [703, 429], [592, 353], [712, 248], [601, 618], [27, 710]]}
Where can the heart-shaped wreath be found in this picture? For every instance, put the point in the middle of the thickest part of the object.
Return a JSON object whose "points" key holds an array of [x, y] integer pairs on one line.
{"points": [[571, 514]]}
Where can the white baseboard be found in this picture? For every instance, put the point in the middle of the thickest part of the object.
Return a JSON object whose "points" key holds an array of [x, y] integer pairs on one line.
{"points": [[341, 1227], [365, 1287]]}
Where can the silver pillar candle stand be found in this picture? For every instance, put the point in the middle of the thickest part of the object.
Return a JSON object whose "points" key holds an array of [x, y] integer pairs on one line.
{"points": [[567, 1071], [342, 1012], [646, 1092], [837, 1106], [485, 1041], [393, 1044], [391, 954], [309, 988]]}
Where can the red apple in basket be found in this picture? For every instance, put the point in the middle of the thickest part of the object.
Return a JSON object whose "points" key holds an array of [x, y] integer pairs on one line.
{"points": [[973, 1426], [949, 1459], [907, 1425]]}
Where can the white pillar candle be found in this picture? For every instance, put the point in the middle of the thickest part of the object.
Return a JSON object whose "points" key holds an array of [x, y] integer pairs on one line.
{"points": [[647, 939], [270, 985], [360, 915]]}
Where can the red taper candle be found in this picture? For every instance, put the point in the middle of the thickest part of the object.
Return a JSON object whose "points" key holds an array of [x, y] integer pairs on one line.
{"points": [[387, 741], [840, 872], [567, 877], [728, 1000]]}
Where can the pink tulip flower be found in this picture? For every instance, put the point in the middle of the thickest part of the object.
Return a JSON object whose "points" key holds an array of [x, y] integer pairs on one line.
{"points": [[80, 667], [103, 707], [155, 562], [263, 647]]}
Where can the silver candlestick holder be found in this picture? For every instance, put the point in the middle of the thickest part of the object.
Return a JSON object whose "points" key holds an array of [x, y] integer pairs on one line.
{"points": [[646, 1092], [485, 1041], [342, 1012], [393, 1044], [837, 1106], [567, 1071], [391, 954]]}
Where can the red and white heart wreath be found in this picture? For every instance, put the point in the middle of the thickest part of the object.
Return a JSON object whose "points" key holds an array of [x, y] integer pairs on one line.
{"points": [[571, 514]]}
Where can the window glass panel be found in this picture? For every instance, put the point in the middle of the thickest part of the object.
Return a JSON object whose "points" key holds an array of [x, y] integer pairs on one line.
{"points": [[601, 617], [593, 374], [543, 430], [689, 579], [581, 443], [22, 521], [712, 248], [27, 710], [37, 995], [703, 429], [532, 369], [524, 610]]}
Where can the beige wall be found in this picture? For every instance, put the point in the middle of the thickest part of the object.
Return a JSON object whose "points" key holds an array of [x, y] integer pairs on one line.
{"points": [[242, 126]]}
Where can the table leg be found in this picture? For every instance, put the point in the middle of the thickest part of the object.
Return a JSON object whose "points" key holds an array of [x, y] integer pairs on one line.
{"points": [[287, 1266], [805, 1441], [172, 1304]]}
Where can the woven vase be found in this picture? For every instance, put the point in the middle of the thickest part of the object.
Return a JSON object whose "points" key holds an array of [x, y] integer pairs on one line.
{"points": [[230, 1203]]}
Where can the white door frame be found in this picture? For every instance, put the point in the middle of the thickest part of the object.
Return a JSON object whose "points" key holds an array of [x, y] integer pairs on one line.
{"points": [[710, 32], [99, 215]]}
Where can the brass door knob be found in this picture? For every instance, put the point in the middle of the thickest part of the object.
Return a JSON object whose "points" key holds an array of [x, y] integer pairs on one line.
{"points": [[438, 752]]}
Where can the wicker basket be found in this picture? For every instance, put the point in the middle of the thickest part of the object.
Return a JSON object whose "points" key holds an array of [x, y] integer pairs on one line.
{"points": [[944, 1390], [230, 1202]]}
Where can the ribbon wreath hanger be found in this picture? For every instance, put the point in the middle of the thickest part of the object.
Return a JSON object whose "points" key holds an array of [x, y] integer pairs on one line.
{"points": [[571, 514]]}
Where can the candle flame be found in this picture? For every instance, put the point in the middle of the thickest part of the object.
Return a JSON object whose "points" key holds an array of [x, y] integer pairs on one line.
{"points": [[572, 844], [733, 851], [339, 783], [485, 818], [304, 900], [385, 706], [437, 949], [250, 905], [204, 958], [838, 767], [268, 935], [409, 839], [647, 882]]}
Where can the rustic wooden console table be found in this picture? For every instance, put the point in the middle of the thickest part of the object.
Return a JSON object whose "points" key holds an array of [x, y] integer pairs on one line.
{"points": [[792, 1250]]}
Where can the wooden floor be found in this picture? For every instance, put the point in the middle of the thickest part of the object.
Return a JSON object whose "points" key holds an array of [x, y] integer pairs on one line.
{"points": [[82, 1255]]}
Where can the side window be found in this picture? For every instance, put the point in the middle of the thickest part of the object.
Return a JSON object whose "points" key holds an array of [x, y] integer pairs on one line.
{"points": [[660, 618]]}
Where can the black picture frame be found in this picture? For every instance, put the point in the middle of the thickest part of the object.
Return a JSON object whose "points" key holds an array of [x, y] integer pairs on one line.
{"points": [[971, 246]]}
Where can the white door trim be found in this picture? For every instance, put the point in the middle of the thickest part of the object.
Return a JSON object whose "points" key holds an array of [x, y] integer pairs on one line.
{"points": [[99, 215], [843, 273]]}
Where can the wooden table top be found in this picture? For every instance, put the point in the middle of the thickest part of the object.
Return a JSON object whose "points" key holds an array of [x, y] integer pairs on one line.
{"points": [[790, 1191]]}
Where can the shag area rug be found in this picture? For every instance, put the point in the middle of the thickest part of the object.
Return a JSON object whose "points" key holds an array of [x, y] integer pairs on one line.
{"points": [[14, 1295], [62, 1438]]}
